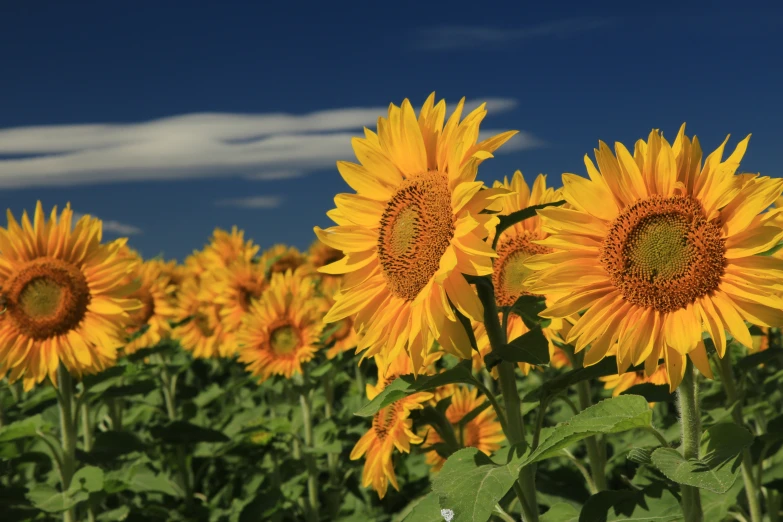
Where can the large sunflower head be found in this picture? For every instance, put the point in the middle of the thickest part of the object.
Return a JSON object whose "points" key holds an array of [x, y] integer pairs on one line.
{"points": [[412, 229], [344, 336], [65, 297], [155, 293], [225, 248], [282, 329], [391, 428], [201, 331], [659, 247], [483, 432], [235, 287], [281, 258]]}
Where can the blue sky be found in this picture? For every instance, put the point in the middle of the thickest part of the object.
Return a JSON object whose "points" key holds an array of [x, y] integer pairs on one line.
{"points": [[166, 120]]}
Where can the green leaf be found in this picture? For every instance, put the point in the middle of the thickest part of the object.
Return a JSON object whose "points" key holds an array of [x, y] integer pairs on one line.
{"points": [[136, 388], [46, 498], [651, 392], [470, 484], [519, 216], [183, 432], [756, 359], [109, 445], [424, 509], [89, 479], [716, 506], [530, 347], [407, 385], [323, 449], [719, 466], [141, 478], [120, 513], [560, 512], [21, 429], [100, 381], [640, 455], [629, 505], [609, 416], [208, 395], [527, 307], [551, 387], [772, 250]]}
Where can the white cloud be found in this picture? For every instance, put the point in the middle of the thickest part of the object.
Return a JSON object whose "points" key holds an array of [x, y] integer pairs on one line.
{"points": [[251, 202], [258, 146], [114, 227], [520, 141], [461, 37]]}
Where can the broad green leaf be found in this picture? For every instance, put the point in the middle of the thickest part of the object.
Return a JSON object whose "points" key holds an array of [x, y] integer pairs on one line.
{"points": [[407, 385], [561, 512], [183, 432], [99, 382], [126, 390], [470, 484], [607, 366], [527, 307], [518, 217], [716, 506], [530, 347], [109, 445], [756, 359], [719, 465], [208, 395], [609, 416], [630, 505], [651, 392], [46, 498], [21, 429], [120, 513], [89, 479], [640, 455], [141, 478], [424, 509]]}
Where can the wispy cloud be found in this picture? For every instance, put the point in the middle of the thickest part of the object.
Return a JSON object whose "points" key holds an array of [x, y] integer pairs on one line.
{"points": [[113, 227], [258, 146], [251, 202], [462, 36]]}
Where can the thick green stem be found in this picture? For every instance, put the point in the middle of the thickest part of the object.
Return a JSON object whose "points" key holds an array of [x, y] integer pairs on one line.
{"points": [[594, 453], [751, 488], [690, 424], [312, 472], [67, 433], [168, 390], [515, 427]]}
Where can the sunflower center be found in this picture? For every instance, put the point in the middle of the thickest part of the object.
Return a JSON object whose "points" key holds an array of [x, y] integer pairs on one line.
{"points": [[47, 297], [144, 314], [384, 420], [416, 229], [662, 253], [202, 323], [284, 340], [247, 294], [509, 271], [284, 263]]}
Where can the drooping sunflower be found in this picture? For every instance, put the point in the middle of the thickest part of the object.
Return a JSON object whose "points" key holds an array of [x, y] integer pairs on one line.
{"points": [[201, 331], [659, 248], [412, 229], [65, 297], [156, 295], [281, 258], [483, 432], [282, 329], [235, 287], [391, 427]]}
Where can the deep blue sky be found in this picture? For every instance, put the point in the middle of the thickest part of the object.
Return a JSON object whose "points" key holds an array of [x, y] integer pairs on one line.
{"points": [[578, 75]]}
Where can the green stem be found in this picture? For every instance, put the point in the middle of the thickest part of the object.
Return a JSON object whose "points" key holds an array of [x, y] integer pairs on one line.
{"points": [[751, 488], [594, 452], [515, 428], [88, 440], [583, 471], [690, 424], [312, 472], [335, 499], [67, 433]]}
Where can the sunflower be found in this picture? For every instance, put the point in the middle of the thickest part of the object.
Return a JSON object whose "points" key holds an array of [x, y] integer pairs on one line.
{"points": [[201, 331], [225, 248], [281, 258], [391, 427], [660, 249], [282, 329], [155, 293], [412, 229], [344, 337], [235, 287], [619, 383], [65, 297], [483, 432], [760, 341]]}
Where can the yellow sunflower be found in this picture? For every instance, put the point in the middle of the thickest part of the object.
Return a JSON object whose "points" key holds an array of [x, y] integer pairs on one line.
{"points": [[344, 337], [483, 432], [235, 287], [281, 258], [65, 297], [225, 248], [391, 427], [760, 342], [320, 254], [621, 382], [412, 229], [659, 248], [282, 329], [155, 293], [203, 333]]}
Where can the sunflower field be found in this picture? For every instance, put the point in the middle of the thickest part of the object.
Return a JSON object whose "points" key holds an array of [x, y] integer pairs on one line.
{"points": [[449, 350]]}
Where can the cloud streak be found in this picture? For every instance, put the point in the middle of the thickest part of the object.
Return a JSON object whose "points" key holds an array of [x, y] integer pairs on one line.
{"points": [[113, 227], [462, 37], [251, 202], [255, 146]]}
